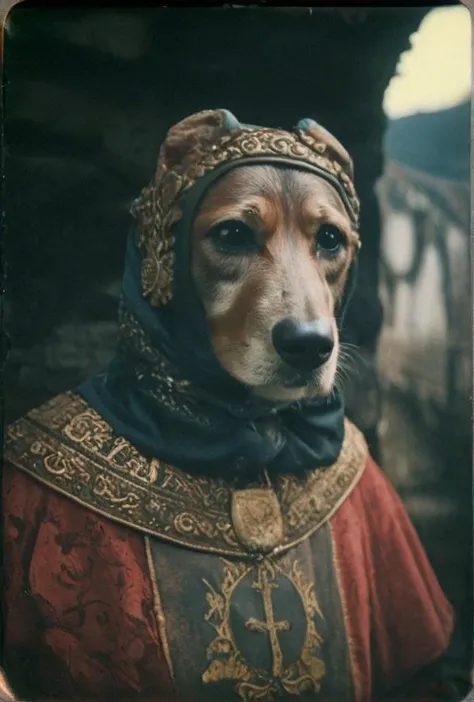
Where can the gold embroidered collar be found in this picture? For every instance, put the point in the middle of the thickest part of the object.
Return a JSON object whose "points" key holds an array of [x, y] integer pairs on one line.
{"points": [[67, 446]]}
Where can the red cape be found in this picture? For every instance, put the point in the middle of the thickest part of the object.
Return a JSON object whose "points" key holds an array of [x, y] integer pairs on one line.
{"points": [[63, 562]]}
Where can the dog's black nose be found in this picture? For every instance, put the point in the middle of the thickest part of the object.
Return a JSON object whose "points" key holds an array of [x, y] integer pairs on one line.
{"points": [[304, 345]]}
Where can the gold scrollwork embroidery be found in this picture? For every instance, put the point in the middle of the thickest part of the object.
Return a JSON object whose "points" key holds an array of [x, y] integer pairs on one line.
{"points": [[226, 658], [56, 464], [89, 429], [80, 456], [107, 489], [187, 523], [155, 374]]}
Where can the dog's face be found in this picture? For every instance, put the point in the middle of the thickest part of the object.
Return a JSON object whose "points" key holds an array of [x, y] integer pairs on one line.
{"points": [[271, 251]]}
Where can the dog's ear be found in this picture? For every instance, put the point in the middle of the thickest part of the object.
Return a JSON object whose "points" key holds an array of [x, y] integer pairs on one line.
{"points": [[193, 135], [334, 148]]}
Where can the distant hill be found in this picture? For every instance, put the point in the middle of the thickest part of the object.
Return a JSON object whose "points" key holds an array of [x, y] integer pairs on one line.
{"points": [[437, 143]]}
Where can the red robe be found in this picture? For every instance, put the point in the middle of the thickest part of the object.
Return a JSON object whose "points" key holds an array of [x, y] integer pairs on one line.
{"points": [[98, 609]]}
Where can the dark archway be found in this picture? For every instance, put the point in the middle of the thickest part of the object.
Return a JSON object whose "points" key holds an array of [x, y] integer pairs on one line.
{"points": [[89, 95]]}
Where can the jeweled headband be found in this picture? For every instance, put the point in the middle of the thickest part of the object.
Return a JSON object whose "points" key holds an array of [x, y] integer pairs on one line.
{"points": [[157, 210]]}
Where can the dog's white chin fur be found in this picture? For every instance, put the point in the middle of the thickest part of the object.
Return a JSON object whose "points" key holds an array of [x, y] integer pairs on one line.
{"points": [[258, 371], [277, 393], [321, 387]]}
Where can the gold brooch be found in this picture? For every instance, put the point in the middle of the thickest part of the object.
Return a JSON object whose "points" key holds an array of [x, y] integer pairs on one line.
{"points": [[257, 519]]}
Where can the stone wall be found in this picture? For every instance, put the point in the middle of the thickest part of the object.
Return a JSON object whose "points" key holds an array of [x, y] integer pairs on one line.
{"points": [[425, 370], [89, 95]]}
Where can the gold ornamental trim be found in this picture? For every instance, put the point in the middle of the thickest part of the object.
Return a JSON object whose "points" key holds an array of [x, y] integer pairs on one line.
{"points": [[226, 660], [157, 209], [66, 445]]}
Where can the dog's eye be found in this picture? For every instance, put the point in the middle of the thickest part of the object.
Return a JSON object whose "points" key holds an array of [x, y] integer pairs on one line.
{"points": [[233, 237], [329, 240]]}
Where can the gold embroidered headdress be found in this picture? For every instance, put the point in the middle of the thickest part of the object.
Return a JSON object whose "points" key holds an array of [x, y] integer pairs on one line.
{"points": [[213, 142]]}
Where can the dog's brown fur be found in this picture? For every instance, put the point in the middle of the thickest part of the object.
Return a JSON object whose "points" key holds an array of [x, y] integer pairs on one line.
{"points": [[244, 296]]}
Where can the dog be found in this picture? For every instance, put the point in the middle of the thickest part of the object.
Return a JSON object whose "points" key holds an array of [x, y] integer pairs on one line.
{"points": [[271, 251]]}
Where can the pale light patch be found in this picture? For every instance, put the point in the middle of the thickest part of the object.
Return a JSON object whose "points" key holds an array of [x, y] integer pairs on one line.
{"points": [[328, 372], [255, 364], [435, 73], [225, 298]]}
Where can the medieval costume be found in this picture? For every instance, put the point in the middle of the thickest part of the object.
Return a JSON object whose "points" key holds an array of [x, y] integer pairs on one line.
{"points": [[168, 536]]}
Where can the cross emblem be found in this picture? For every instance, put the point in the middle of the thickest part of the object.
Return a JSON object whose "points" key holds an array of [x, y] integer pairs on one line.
{"points": [[256, 677], [270, 626]]}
